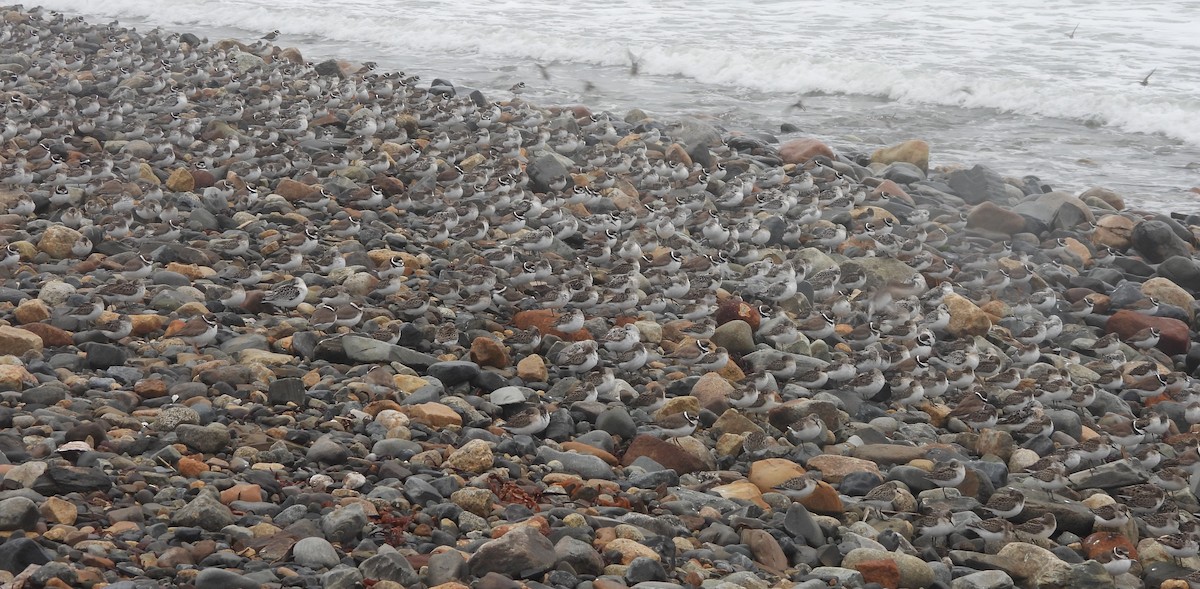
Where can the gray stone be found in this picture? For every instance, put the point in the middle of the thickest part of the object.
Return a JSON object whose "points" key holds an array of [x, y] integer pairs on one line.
{"points": [[47, 394], [344, 524], [1108, 476], [902, 173], [286, 390], [59, 480], [445, 567], [842, 576], [172, 417], [983, 580], [1055, 210], [582, 557], [1156, 241], [342, 577], [215, 578], [520, 554], [977, 185], [205, 511], [249, 341], [326, 450], [546, 167], [18, 513], [18, 553], [209, 439], [584, 465], [315, 553], [691, 132], [642, 569], [454, 372], [735, 336], [101, 356], [369, 350], [1181, 270], [617, 421], [799, 523]]}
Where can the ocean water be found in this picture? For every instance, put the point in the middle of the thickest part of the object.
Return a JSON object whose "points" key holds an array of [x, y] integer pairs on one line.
{"points": [[1002, 84]]}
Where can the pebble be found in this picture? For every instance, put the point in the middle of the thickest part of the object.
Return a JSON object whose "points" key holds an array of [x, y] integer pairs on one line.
{"points": [[284, 452]]}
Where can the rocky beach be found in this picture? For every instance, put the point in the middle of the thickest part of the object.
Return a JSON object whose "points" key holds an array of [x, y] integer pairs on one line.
{"points": [[272, 323]]}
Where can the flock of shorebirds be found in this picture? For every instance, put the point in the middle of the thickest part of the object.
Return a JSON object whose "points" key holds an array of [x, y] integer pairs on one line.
{"points": [[387, 164]]}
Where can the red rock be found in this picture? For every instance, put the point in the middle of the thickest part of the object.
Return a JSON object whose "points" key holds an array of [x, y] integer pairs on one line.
{"points": [[190, 467], [544, 320], [765, 549], [293, 190], [486, 351], [1173, 340], [52, 337], [884, 572], [893, 190], [824, 500], [665, 453], [202, 179], [1104, 542], [798, 151], [733, 309], [150, 388], [242, 492]]}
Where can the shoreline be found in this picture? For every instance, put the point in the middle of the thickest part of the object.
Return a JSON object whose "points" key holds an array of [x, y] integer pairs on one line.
{"points": [[393, 330]]}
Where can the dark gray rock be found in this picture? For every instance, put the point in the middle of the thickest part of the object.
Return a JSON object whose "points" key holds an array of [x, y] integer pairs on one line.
{"points": [[59, 480], [101, 356], [977, 185], [522, 553], [329, 67], [902, 173], [583, 558], [18, 513], [205, 511], [209, 439], [342, 577], [546, 168], [214, 578], [371, 350], [47, 394], [642, 569], [18, 553], [445, 567], [1156, 241], [587, 466], [419, 491], [617, 422], [799, 523], [1108, 476], [286, 390], [344, 523], [315, 553], [327, 450], [1182, 270]]}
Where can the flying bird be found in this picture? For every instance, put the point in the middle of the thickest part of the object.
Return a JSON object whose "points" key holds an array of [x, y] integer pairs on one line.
{"points": [[1071, 35], [1146, 80]]}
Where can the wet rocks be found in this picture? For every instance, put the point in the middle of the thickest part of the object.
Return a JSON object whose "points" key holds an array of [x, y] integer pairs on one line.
{"points": [[1156, 241], [521, 553]]}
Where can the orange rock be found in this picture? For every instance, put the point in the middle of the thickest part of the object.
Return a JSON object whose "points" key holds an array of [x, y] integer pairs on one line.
{"points": [[915, 152], [150, 388], [590, 451], [799, 151], [242, 492], [893, 190], [744, 490], [145, 324], [834, 468], [665, 453], [486, 351], [884, 572], [293, 190], [31, 311], [544, 320], [433, 414], [532, 368], [52, 337], [824, 500], [1104, 542], [181, 180], [190, 467], [768, 473], [373, 408]]}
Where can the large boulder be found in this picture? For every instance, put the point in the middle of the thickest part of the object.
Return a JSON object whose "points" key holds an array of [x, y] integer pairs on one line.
{"points": [[913, 151], [1156, 241], [977, 185], [1174, 338]]}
